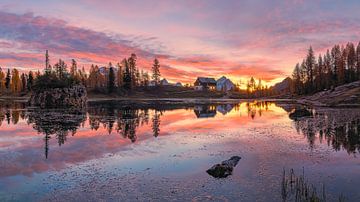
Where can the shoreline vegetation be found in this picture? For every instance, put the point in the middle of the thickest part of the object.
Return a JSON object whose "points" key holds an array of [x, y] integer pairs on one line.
{"points": [[331, 81]]}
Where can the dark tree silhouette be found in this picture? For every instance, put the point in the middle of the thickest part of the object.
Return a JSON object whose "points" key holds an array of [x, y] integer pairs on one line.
{"points": [[111, 80], [338, 66], [156, 71], [30, 81], [8, 79]]}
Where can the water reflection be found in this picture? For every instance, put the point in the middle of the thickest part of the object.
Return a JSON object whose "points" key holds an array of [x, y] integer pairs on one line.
{"points": [[340, 129], [58, 123], [254, 108], [327, 126]]}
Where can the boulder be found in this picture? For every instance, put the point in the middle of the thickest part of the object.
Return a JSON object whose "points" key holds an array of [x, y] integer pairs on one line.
{"points": [[300, 112], [74, 96], [225, 168]]}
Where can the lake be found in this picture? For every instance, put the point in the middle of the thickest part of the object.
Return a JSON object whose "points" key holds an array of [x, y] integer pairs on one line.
{"points": [[160, 152]]}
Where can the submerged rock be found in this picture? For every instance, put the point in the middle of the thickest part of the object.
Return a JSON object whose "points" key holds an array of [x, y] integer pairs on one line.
{"points": [[74, 96], [298, 113], [225, 168]]}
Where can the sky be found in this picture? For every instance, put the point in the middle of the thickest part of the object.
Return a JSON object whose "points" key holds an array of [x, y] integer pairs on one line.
{"points": [[191, 38]]}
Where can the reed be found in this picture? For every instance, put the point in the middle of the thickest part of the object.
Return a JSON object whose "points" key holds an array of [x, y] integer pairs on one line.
{"points": [[296, 188]]}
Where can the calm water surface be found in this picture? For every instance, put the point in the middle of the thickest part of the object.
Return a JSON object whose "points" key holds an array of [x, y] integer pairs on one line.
{"points": [[161, 152]]}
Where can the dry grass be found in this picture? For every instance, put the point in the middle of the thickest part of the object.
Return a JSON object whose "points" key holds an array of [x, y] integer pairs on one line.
{"points": [[296, 188]]}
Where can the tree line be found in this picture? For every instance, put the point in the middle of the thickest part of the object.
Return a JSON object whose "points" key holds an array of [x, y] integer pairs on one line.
{"points": [[125, 75], [338, 66], [12, 82], [257, 89]]}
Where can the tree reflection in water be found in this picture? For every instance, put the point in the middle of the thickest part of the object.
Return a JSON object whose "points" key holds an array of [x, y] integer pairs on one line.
{"points": [[58, 122], [339, 128], [331, 126], [256, 107]]}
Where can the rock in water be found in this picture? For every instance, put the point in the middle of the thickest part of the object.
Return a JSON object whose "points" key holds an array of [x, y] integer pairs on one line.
{"points": [[225, 168], [74, 96], [298, 113]]}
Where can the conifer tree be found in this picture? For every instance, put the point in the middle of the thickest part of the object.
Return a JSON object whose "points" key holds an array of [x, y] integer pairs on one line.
{"points": [[73, 69], [132, 68], [119, 75], [23, 82], [358, 61], [127, 76], [2, 80], [156, 72], [30, 81], [61, 69], [111, 80], [8, 79], [15, 81], [47, 63]]}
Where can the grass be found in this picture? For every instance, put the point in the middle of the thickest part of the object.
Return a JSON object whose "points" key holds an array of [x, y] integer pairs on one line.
{"points": [[296, 188]]}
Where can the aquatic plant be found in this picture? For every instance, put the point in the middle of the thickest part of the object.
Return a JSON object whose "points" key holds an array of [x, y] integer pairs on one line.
{"points": [[298, 189]]}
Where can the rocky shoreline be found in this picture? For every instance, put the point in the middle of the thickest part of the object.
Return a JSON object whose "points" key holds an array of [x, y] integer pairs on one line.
{"points": [[74, 96]]}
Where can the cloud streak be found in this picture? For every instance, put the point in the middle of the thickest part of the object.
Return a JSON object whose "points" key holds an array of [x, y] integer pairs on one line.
{"points": [[203, 38]]}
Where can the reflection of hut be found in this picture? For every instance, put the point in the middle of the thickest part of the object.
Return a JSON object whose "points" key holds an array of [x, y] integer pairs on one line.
{"points": [[224, 109], [205, 111]]}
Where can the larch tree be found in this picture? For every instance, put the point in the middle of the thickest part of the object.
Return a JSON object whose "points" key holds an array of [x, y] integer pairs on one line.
{"points": [[23, 82], [358, 61], [336, 63], [156, 71], [119, 75], [73, 68], [146, 78], [15, 81], [310, 66], [60, 69], [127, 76], [338, 66], [296, 77], [351, 62], [319, 74], [8, 79], [132, 68], [30, 81], [2, 80], [111, 80], [48, 69], [327, 69]]}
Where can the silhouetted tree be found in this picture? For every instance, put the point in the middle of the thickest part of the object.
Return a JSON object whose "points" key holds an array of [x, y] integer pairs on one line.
{"points": [[156, 71], [30, 81], [358, 62], [61, 69], [296, 77], [15, 81], [73, 69], [111, 80], [338, 66], [23, 82], [8, 79], [2, 80], [47, 63], [127, 76], [120, 75], [132, 69]]}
